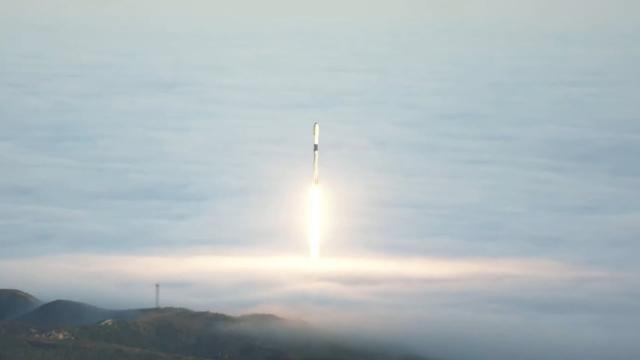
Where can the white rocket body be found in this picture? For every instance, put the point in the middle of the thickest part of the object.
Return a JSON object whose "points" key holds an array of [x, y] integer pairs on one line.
{"points": [[316, 136]]}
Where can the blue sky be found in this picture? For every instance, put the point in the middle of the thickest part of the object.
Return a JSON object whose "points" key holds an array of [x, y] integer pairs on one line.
{"points": [[449, 130]]}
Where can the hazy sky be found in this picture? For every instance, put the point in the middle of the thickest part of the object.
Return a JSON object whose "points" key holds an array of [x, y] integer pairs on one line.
{"points": [[456, 136]]}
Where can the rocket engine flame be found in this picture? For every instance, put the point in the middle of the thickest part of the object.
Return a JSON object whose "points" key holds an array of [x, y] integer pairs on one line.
{"points": [[315, 197], [314, 220]]}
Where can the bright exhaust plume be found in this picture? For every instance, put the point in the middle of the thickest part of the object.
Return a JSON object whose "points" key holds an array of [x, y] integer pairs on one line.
{"points": [[315, 221]]}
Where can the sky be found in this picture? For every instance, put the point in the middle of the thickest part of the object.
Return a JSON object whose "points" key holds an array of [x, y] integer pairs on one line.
{"points": [[478, 161]]}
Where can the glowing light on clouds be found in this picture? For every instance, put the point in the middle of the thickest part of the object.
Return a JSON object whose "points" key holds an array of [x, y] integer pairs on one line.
{"points": [[203, 267]]}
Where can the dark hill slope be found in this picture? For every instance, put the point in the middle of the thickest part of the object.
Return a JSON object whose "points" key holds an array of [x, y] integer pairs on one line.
{"points": [[14, 303], [65, 313], [75, 331], [23, 343], [217, 336]]}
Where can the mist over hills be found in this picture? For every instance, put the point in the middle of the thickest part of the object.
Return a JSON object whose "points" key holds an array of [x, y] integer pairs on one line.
{"points": [[65, 329], [67, 312], [14, 303]]}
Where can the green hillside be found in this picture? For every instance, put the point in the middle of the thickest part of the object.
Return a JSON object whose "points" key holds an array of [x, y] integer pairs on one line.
{"points": [[171, 333]]}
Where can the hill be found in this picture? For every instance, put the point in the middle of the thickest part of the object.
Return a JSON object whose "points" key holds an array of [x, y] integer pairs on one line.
{"points": [[14, 303], [66, 312], [65, 329]]}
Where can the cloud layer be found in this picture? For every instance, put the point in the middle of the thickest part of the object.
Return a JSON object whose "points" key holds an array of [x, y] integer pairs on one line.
{"points": [[491, 305], [507, 134]]}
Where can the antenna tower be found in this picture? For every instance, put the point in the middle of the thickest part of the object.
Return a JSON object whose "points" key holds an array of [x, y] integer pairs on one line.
{"points": [[157, 296]]}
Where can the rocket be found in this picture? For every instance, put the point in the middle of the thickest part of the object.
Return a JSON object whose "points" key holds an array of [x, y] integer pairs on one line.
{"points": [[316, 136]]}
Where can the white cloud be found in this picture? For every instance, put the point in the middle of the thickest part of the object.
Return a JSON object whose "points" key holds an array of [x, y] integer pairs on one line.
{"points": [[457, 132]]}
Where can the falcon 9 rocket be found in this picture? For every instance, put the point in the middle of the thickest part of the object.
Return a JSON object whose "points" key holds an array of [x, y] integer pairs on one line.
{"points": [[315, 211], [316, 136]]}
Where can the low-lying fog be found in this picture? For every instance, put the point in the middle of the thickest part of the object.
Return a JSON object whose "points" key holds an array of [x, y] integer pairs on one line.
{"points": [[479, 161], [453, 309]]}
